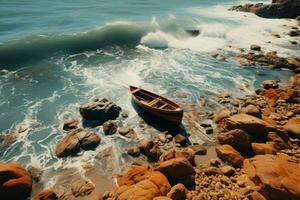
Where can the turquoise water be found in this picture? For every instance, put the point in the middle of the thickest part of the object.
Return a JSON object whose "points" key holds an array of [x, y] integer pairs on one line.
{"points": [[56, 55]]}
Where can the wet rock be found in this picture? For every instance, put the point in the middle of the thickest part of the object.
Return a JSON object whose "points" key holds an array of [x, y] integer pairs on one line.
{"points": [[275, 176], [109, 127], [228, 154], [294, 33], [294, 42], [180, 139], [177, 192], [227, 170], [251, 110], [186, 153], [70, 124], [205, 124], [45, 195], [263, 148], [127, 132], [237, 138], [177, 170], [134, 151], [268, 84], [149, 149], [100, 109], [82, 188], [255, 47], [221, 115], [277, 9], [15, 182], [199, 149], [35, 173], [250, 124], [220, 57], [193, 32], [293, 127], [76, 140], [209, 131]]}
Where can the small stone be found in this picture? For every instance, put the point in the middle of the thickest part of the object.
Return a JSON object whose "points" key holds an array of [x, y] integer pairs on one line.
{"points": [[227, 170], [220, 57], [127, 132], [179, 139], [215, 162], [124, 114], [209, 131], [205, 124], [211, 171], [268, 84], [199, 149], [109, 127], [70, 124], [134, 151], [255, 47]]}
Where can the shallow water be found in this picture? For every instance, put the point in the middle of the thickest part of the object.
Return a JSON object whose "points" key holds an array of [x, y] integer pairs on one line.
{"points": [[56, 55]]}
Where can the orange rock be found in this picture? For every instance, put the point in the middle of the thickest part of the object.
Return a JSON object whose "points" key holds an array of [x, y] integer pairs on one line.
{"points": [[15, 182], [277, 176], [162, 198], [45, 195], [177, 170], [293, 126], [263, 148], [228, 154], [186, 153], [177, 192]]}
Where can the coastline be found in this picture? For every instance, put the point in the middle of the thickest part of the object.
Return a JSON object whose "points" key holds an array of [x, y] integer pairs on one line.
{"points": [[154, 166]]}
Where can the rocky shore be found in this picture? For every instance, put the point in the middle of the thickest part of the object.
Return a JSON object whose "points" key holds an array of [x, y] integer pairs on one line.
{"points": [[252, 151]]}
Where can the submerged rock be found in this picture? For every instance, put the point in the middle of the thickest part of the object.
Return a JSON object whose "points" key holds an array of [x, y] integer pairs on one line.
{"points": [[127, 132], [82, 188], [76, 140], [70, 124], [100, 109], [15, 182], [109, 127]]}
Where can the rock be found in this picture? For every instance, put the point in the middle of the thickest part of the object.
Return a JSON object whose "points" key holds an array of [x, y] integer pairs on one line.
{"points": [[276, 176], [180, 139], [293, 127], [294, 42], [76, 140], [251, 110], [199, 149], [154, 153], [109, 127], [168, 155], [211, 171], [82, 188], [45, 195], [177, 170], [227, 170], [177, 192], [145, 145], [251, 125], [186, 153], [294, 33], [263, 148], [35, 173], [161, 198], [228, 154], [277, 9], [209, 131], [134, 151], [127, 132], [215, 162], [15, 182], [255, 47], [220, 57], [268, 84], [70, 124], [193, 32], [295, 62], [149, 149], [99, 109], [255, 196], [237, 138], [221, 115], [278, 142]]}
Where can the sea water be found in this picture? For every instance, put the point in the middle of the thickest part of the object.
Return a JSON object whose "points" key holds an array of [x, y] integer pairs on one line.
{"points": [[56, 55]]}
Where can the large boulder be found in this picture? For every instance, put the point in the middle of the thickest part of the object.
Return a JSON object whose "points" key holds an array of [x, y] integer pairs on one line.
{"points": [[228, 154], [99, 109], [293, 127], [250, 124], [76, 140], [276, 176], [15, 182], [177, 170], [237, 138]]}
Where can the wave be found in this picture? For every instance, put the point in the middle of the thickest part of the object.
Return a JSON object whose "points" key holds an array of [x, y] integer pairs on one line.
{"points": [[38, 47]]}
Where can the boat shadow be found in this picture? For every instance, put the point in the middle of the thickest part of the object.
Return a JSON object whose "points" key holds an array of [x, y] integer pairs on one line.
{"points": [[158, 123]]}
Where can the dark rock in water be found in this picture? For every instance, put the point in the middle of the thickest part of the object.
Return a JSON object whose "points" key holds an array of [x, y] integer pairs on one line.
{"points": [[277, 9], [76, 140], [70, 124], [149, 149], [109, 127], [255, 47], [45, 195], [100, 109], [127, 132], [209, 130], [193, 32], [294, 33], [15, 182], [294, 42], [177, 192], [268, 84]]}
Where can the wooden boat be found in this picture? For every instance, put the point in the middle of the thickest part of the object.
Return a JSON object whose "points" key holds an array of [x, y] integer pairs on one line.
{"points": [[157, 105]]}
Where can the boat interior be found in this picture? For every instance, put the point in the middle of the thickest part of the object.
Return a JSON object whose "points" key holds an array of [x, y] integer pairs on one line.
{"points": [[153, 101]]}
